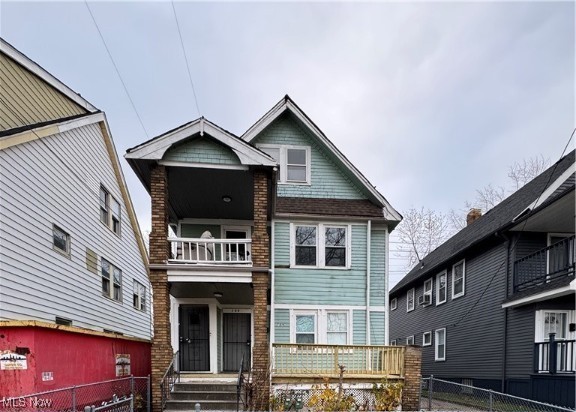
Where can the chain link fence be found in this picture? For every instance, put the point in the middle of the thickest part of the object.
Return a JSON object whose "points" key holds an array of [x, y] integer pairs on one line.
{"points": [[77, 398], [441, 395]]}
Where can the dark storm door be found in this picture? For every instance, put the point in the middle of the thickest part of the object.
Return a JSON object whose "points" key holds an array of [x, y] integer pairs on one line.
{"points": [[194, 338], [237, 341]]}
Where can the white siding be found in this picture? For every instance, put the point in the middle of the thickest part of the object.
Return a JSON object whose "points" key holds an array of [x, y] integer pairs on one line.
{"points": [[56, 180]]}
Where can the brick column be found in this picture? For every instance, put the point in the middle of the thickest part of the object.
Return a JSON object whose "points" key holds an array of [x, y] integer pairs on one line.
{"points": [[161, 345], [260, 281], [412, 378]]}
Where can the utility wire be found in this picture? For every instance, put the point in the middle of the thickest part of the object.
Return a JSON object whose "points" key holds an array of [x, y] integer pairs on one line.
{"points": [[116, 68], [185, 58], [522, 230]]}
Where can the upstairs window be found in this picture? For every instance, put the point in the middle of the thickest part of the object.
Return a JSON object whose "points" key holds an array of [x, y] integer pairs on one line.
{"points": [[139, 296], [334, 249], [427, 296], [110, 210], [458, 279], [410, 300], [393, 304], [440, 345], [427, 339], [60, 240], [111, 281], [294, 162], [441, 291]]}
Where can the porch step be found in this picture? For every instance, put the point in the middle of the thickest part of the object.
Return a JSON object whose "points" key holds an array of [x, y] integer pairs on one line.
{"points": [[212, 396]]}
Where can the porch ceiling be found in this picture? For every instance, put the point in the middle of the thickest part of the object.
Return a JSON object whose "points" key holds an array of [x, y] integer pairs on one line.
{"points": [[555, 218], [232, 293], [198, 192]]}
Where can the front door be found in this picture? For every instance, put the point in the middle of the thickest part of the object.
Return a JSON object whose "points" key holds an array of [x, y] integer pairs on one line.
{"points": [[194, 338], [237, 341], [237, 252]]}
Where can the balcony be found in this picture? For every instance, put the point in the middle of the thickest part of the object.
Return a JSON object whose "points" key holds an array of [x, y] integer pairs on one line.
{"points": [[298, 360], [208, 251], [545, 266], [554, 356]]}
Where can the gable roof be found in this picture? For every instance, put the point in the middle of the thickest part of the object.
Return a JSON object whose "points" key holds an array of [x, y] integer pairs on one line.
{"points": [[287, 104], [156, 148], [39, 71], [503, 216]]}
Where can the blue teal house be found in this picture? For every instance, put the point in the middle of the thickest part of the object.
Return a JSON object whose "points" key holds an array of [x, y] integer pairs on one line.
{"points": [[268, 249]]}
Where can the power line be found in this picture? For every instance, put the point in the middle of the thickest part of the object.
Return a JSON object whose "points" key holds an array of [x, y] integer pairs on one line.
{"points": [[522, 230], [116, 68], [185, 58]]}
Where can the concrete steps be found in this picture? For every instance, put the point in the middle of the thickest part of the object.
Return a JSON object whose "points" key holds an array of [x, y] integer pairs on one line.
{"points": [[212, 396]]}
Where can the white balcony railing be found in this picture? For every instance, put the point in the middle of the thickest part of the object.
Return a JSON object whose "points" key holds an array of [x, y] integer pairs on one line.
{"points": [[210, 251]]}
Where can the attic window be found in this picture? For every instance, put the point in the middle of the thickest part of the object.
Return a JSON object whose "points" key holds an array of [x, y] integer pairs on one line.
{"points": [[294, 162]]}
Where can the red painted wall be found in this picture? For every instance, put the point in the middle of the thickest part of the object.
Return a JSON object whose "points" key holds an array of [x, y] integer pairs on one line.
{"points": [[73, 359]]}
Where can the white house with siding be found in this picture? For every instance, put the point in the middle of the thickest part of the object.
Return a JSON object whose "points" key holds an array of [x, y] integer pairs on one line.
{"points": [[72, 258]]}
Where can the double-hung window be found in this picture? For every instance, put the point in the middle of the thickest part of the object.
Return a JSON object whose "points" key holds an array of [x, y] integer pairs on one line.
{"points": [[427, 339], [111, 281], [60, 240], [410, 300], [393, 304], [440, 345], [294, 162], [324, 326], [321, 245], [458, 279], [410, 340], [441, 291], [427, 296], [139, 296], [110, 211]]}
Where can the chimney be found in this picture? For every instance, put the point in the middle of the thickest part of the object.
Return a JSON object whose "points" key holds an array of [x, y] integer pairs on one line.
{"points": [[473, 214]]}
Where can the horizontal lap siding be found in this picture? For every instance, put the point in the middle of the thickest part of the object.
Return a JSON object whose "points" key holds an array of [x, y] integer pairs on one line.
{"points": [[282, 326], [37, 190], [31, 98], [377, 328], [377, 268], [359, 320], [202, 150], [474, 323], [328, 180]]}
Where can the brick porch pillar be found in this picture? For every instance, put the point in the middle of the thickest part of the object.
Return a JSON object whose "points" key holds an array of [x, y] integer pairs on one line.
{"points": [[412, 378], [161, 345], [260, 282]]}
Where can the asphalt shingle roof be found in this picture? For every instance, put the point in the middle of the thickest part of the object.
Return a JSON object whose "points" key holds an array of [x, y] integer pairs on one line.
{"points": [[494, 220], [328, 207]]}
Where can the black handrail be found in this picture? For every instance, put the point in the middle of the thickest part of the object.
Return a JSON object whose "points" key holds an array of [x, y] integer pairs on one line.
{"points": [[239, 383], [171, 376], [554, 356]]}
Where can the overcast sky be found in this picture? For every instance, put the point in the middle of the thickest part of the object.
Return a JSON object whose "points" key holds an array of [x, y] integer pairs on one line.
{"points": [[431, 101]]}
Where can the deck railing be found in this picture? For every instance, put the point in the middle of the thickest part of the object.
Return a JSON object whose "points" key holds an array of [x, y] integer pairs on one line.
{"points": [[554, 356], [546, 265], [210, 251], [299, 359]]}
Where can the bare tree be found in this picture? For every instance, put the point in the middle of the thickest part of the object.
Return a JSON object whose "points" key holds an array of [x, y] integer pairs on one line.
{"points": [[420, 232]]}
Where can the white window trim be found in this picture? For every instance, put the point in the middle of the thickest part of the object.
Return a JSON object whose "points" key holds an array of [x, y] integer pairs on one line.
{"points": [[436, 340], [429, 335], [393, 304], [109, 210], [455, 296], [110, 294], [410, 292], [283, 162], [445, 274], [393, 342], [429, 291], [549, 243], [68, 241], [539, 327], [141, 305], [410, 338], [321, 324], [320, 245]]}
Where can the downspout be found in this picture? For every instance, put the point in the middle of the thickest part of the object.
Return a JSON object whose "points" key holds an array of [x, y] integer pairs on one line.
{"points": [[368, 258], [272, 291], [505, 346]]}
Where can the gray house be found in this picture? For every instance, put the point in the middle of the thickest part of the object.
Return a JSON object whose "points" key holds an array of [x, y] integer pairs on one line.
{"points": [[494, 305]]}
